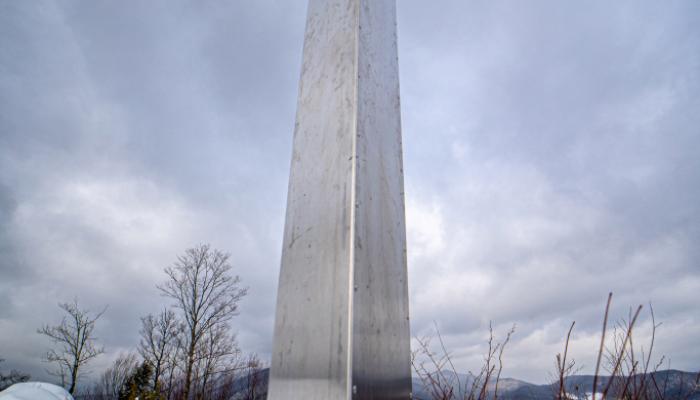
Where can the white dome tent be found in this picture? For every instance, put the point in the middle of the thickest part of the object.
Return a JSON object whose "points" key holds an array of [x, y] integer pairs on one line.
{"points": [[35, 391]]}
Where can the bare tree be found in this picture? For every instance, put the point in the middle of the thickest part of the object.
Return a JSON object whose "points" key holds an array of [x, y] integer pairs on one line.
{"points": [[207, 295], [75, 342], [158, 342]]}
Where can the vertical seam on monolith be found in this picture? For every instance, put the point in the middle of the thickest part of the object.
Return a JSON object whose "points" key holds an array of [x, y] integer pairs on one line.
{"points": [[353, 200]]}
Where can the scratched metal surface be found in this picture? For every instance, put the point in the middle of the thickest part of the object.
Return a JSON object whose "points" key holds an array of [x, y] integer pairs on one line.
{"points": [[381, 340], [342, 315]]}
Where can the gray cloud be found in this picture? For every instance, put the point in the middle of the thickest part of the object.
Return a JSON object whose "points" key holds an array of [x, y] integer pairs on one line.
{"points": [[555, 162], [550, 158]]}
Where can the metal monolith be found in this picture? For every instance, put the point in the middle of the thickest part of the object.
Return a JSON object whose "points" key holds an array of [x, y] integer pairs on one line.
{"points": [[342, 328]]}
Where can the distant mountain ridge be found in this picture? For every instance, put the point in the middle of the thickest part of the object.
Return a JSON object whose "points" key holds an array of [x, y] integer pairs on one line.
{"points": [[674, 385]]}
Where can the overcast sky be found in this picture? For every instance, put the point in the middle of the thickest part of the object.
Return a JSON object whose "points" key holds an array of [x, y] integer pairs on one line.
{"points": [[552, 154]]}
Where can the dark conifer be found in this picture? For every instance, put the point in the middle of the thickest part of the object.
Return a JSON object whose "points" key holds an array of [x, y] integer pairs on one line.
{"points": [[138, 385]]}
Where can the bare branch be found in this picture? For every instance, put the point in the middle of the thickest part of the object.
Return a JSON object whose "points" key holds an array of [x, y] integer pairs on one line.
{"points": [[600, 350]]}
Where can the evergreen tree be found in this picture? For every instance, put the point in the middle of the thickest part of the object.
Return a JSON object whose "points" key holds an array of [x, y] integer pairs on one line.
{"points": [[137, 387]]}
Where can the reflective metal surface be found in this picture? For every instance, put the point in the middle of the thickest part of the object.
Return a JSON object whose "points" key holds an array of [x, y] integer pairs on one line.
{"points": [[342, 328]]}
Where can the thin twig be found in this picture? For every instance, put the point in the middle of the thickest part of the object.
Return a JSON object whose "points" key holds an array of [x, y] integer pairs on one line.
{"points": [[628, 335], [602, 343], [500, 361], [449, 359]]}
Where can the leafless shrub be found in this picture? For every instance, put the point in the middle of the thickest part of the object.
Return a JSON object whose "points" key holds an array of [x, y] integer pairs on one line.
{"points": [[435, 369], [564, 369], [632, 375]]}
